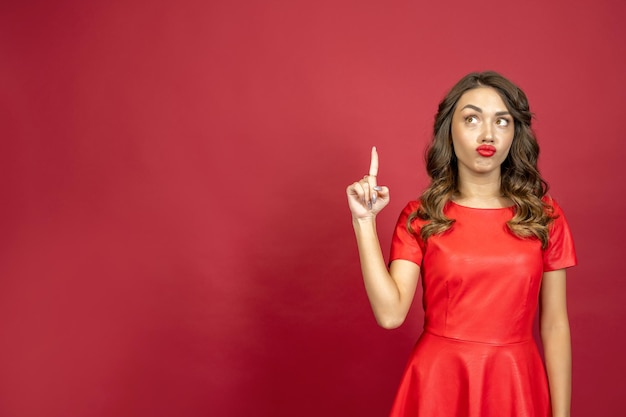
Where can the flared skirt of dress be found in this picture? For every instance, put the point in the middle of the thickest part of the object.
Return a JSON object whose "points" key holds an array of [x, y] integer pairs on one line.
{"points": [[453, 378]]}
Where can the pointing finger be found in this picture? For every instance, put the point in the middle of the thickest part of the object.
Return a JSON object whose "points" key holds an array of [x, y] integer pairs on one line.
{"points": [[374, 163]]}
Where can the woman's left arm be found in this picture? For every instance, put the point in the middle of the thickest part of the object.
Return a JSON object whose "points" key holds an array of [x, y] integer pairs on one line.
{"points": [[555, 335]]}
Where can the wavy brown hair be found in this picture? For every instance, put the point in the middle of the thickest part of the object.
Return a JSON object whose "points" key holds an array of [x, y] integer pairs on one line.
{"points": [[520, 179]]}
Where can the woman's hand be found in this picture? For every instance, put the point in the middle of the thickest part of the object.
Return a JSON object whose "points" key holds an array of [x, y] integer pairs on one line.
{"points": [[365, 197]]}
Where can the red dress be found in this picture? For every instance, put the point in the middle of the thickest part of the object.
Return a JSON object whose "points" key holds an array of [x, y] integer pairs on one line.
{"points": [[477, 356]]}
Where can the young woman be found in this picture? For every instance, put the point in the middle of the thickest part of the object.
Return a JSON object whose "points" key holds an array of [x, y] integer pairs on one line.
{"points": [[491, 247]]}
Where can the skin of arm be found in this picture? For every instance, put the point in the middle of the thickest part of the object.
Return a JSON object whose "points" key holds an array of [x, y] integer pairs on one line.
{"points": [[555, 336], [390, 292]]}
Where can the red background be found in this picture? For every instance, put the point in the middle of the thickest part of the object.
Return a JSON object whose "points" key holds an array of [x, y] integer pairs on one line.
{"points": [[175, 235]]}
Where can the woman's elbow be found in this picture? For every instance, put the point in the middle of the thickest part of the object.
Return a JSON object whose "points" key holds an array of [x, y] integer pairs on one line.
{"points": [[390, 322]]}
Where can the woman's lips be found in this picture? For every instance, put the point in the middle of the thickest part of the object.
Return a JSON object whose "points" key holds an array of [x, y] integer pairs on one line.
{"points": [[486, 150]]}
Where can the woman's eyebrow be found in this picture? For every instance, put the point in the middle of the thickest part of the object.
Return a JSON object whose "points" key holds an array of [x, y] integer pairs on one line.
{"points": [[479, 110], [471, 106]]}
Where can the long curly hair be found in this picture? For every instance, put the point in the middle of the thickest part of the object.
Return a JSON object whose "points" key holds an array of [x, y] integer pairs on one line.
{"points": [[520, 178]]}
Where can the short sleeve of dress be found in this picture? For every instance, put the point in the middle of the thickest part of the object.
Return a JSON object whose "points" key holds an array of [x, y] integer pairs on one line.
{"points": [[560, 252], [404, 244]]}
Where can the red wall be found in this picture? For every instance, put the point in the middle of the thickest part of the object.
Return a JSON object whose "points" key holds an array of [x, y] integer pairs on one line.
{"points": [[175, 236]]}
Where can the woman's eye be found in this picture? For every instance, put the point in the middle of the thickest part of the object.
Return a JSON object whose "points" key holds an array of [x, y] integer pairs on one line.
{"points": [[502, 122], [471, 119]]}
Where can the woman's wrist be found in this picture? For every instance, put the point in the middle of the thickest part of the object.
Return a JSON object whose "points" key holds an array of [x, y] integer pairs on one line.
{"points": [[364, 221]]}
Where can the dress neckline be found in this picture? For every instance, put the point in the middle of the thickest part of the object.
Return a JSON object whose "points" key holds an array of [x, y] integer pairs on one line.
{"points": [[480, 208]]}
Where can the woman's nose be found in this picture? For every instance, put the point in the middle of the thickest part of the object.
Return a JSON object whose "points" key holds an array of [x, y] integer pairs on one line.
{"points": [[487, 134]]}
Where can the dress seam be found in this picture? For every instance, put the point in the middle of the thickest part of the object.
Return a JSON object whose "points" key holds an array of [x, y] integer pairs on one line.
{"points": [[454, 339]]}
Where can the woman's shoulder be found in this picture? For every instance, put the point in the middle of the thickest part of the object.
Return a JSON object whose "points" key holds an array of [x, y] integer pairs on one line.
{"points": [[553, 208], [409, 215], [411, 206], [410, 210]]}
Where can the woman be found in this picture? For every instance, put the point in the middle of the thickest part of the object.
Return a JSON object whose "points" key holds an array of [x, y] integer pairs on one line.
{"points": [[491, 247]]}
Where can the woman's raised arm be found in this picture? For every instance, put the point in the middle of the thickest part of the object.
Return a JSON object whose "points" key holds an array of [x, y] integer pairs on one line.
{"points": [[390, 292]]}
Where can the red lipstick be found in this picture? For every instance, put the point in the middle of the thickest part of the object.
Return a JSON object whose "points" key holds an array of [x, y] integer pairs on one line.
{"points": [[486, 150]]}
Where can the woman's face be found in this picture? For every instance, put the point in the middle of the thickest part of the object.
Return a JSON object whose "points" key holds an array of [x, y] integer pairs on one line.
{"points": [[482, 132]]}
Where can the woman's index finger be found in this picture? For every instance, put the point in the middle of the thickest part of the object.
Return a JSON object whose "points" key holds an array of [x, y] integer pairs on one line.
{"points": [[374, 162]]}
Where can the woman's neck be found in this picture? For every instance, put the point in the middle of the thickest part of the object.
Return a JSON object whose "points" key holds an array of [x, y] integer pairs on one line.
{"points": [[481, 194]]}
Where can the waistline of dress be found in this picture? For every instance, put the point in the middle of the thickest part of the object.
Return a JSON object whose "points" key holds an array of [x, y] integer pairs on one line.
{"points": [[480, 342]]}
